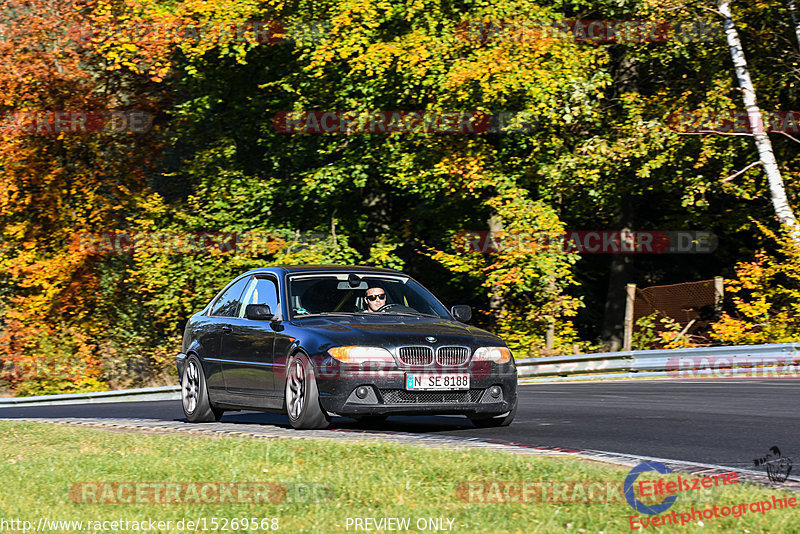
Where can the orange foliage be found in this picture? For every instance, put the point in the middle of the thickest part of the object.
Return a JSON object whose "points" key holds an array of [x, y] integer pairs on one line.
{"points": [[55, 185]]}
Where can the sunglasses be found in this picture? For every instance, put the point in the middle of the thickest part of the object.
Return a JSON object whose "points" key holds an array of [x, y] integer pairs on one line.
{"points": [[373, 298]]}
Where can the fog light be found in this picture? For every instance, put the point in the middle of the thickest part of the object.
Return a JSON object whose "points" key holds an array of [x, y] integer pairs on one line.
{"points": [[362, 392], [495, 391]]}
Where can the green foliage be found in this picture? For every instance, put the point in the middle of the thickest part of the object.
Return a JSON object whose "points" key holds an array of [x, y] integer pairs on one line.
{"points": [[648, 336], [602, 155], [644, 335]]}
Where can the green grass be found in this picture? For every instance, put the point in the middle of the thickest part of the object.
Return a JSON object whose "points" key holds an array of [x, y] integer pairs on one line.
{"points": [[40, 463]]}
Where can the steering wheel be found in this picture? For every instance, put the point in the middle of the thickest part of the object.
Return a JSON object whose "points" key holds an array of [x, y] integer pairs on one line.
{"points": [[387, 307]]}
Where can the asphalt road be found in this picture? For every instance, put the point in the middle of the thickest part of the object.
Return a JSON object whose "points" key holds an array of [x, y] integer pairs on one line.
{"points": [[724, 422]]}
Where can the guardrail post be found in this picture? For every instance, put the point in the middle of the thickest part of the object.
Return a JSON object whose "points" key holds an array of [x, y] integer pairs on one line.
{"points": [[630, 297]]}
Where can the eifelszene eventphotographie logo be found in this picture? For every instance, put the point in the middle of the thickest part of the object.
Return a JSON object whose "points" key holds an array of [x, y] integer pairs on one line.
{"points": [[630, 482]]}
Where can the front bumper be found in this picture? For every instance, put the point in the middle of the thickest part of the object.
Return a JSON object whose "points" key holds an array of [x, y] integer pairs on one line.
{"points": [[386, 394]]}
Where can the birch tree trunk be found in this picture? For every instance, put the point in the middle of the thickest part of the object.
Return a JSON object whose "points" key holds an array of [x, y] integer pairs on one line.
{"points": [[793, 11], [495, 224], [776, 187]]}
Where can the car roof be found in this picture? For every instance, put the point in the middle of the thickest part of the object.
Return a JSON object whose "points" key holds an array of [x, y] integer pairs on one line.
{"points": [[291, 269]]}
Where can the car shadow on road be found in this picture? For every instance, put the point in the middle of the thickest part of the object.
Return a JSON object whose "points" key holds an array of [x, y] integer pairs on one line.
{"points": [[412, 425]]}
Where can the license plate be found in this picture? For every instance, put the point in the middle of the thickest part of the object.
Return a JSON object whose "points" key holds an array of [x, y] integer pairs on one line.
{"points": [[445, 382]]}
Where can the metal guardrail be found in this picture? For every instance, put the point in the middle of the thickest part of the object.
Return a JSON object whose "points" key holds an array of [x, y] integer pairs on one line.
{"points": [[126, 395], [777, 359]]}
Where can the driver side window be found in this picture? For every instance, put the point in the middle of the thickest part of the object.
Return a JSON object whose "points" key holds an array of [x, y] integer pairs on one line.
{"points": [[261, 291], [228, 304]]}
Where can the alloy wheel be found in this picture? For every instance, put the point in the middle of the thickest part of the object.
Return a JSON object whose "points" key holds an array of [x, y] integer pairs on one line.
{"points": [[191, 386], [296, 393]]}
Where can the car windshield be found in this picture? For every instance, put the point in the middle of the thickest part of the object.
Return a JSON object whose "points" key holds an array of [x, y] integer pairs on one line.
{"points": [[345, 294]]}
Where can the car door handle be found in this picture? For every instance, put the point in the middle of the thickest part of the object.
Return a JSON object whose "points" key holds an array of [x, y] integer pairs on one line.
{"points": [[226, 330]]}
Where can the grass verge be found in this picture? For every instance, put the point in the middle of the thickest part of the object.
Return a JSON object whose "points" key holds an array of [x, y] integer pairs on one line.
{"points": [[327, 486]]}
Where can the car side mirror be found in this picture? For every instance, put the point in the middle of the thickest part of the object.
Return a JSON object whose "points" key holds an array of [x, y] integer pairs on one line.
{"points": [[258, 312], [461, 313]]}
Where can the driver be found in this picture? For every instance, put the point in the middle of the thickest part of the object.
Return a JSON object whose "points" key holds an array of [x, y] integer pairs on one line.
{"points": [[375, 298]]}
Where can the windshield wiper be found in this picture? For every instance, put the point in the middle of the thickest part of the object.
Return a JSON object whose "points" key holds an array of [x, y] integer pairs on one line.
{"points": [[410, 314], [321, 314]]}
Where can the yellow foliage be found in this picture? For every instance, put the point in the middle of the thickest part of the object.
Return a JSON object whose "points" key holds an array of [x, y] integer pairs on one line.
{"points": [[766, 297]]}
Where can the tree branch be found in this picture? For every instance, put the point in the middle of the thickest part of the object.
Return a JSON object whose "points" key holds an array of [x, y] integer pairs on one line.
{"points": [[717, 132], [718, 13], [732, 176], [796, 140]]}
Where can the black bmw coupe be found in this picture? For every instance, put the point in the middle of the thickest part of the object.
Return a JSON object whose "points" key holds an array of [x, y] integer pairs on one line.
{"points": [[314, 341]]}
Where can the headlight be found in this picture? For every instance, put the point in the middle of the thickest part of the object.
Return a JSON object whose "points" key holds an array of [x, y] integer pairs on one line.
{"points": [[492, 354], [361, 354]]}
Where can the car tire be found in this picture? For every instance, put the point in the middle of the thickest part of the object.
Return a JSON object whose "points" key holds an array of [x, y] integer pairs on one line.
{"points": [[496, 421], [302, 396], [194, 395]]}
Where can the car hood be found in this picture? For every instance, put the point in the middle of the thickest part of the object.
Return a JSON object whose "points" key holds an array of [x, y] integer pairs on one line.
{"points": [[395, 330]]}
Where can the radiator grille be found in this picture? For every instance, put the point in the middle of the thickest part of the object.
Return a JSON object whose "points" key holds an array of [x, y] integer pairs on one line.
{"points": [[450, 356], [415, 355], [401, 396]]}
